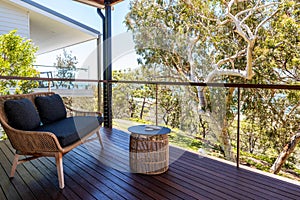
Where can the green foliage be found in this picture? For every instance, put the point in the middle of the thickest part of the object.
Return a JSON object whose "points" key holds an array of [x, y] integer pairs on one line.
{"points": [[278, 50], [272, 116], [187, 39], [137, 100], [162, 33], [185, 141], [16, 58], [129, 99], [171, 105], [264, 162], [140, 120], [266, 158], [124, 105], [4, 136]]}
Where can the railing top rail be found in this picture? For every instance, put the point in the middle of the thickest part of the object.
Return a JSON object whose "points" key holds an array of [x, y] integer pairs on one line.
{"points": [[201, 84], [48, 79]]}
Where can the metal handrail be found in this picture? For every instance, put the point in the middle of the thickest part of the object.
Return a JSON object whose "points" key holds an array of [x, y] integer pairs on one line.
{"points": [[226, 85]]}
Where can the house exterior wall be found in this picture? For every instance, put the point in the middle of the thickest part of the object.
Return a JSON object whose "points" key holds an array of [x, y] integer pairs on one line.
{"points": [[11, 18]]}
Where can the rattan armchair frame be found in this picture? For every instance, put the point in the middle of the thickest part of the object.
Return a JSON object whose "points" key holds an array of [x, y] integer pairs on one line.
{"points": [[34, 144]]}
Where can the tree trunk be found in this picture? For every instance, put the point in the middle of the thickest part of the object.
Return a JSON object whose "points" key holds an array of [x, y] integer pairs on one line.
{"points": [[143, 106], [202, 124], [131, 107], [221, 134], [226, 145], [287, 150], [252, 140], [165, 118]]}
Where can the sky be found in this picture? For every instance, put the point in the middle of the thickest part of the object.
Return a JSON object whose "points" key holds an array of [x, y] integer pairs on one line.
{"points": [[123, 57], [88, 14]]}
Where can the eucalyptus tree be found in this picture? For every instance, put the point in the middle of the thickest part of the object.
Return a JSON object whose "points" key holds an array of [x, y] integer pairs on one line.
{"points": [[134, 99], [170, 105], [281, 48], [275, 113], [124, 105], [277, 56], [209, 41]]}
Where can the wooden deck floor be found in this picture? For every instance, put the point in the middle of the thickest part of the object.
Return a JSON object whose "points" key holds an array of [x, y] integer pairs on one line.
{"points": [[95, 173]]}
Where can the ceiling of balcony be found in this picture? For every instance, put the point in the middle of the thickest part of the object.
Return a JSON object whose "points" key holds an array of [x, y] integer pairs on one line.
{"points": [[51, 30]]}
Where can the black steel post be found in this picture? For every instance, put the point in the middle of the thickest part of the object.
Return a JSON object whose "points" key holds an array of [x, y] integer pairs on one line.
{"points": [[99, 90], [156, 104], [238, 129], [107, 65], [99, 56]]}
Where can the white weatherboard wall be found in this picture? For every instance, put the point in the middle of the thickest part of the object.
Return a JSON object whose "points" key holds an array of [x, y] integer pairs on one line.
{"points": [[11, 18]]}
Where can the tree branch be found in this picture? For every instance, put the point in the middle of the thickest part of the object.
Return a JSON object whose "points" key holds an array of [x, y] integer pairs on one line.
{"points": [[190, 55], [225, 72], [291, 111], [250, 12], [264, 21], [238, 27], [283, 156], [237, 55], [257, 8]]}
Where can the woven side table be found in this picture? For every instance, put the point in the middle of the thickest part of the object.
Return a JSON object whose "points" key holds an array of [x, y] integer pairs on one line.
{"points": [[149, 149]]}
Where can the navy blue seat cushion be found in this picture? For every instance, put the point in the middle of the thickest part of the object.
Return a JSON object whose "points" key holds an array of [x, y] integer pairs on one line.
{"points": [[72, 129], [22, 114], [51, 108]]}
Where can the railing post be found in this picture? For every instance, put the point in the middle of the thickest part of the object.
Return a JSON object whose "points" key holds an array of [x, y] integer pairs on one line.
{"points": [[99, 89], [107, 65], [156, 102], [238, 132]]}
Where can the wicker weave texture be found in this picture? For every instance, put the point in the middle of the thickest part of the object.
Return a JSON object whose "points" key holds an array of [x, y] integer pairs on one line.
{"points": [[27, 141], [149, 154]]}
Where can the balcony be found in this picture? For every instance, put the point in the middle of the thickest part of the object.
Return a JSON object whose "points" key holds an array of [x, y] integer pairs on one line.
{"points": [[92, 173], [95, 173]]}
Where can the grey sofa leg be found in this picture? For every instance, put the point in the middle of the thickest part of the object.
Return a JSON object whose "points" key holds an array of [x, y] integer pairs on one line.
{"points": [[60, 170], [14, 166]]}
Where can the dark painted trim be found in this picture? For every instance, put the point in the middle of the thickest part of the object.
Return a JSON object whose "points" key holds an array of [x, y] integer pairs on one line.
{"points": [[107, 65], [68, 19]]}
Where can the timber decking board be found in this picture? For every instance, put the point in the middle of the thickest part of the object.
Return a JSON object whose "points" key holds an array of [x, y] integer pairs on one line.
{"points": [[210, 171], [95, 173], [46, 176], [173, 187], [131, 179], [258, 181], [13, 188], [154, 183], [115, 180]]}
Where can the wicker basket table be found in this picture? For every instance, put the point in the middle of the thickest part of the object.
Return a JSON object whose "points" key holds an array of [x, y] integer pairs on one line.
{"points": [[149, 149]]}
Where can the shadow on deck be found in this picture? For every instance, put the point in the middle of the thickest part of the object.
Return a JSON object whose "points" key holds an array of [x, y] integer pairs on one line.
{"points": [[95, 173]]}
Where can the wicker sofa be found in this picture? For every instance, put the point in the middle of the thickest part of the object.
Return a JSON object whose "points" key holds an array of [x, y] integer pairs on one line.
{"points": [[39, 124]]}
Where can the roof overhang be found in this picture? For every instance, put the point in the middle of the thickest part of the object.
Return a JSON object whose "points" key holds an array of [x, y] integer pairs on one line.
{"points": [[51, 31], [98, 3]]}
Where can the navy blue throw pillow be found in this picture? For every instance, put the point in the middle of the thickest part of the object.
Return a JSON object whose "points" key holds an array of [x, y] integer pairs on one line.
{"points": [[51, 108], [22, 114]]}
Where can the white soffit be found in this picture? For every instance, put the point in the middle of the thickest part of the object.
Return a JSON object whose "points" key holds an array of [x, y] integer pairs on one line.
{"points": [[51, 30]]}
